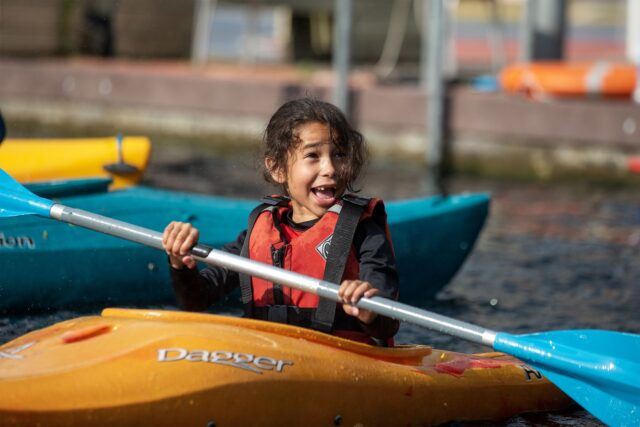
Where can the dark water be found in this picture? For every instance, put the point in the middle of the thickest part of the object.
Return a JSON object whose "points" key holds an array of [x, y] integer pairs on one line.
{"points": [[550, 257]]}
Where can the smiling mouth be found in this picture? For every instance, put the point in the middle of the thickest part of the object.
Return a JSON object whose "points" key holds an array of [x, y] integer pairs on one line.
{"points": [[324, 193]]}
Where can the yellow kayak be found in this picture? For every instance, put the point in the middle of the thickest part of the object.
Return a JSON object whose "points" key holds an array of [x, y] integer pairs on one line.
{"points": [[33, 160], [140, 367]]}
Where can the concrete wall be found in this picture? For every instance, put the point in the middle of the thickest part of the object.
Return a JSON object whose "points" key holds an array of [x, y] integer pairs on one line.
{"points": [[491, 133]]}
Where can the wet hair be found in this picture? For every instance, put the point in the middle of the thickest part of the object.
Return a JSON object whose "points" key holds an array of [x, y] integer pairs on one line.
{"points": [[281, 137]]}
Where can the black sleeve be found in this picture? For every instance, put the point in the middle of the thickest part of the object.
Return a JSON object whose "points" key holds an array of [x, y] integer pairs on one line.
{"points": [[378, 267], [198, 290]]}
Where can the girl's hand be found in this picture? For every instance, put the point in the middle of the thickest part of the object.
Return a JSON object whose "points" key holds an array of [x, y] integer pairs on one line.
{"points": [[350, 293], [178, 239]]}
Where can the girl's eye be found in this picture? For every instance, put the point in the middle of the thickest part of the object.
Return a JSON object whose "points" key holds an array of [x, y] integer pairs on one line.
{"points": [[311, 155]]}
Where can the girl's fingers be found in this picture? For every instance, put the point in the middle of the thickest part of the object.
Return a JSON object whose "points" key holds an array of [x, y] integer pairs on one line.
{"points": [[371, 292], [350, 292], [346, 290], [166, 235], [351, 310], [179, 237], [354, 290], [189, 241], [170, 234], [182, 236], [189, 262], [359, 291]]}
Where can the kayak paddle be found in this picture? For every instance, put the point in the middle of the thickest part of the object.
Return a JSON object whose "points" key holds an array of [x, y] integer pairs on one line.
{"points": [[599, 369]]}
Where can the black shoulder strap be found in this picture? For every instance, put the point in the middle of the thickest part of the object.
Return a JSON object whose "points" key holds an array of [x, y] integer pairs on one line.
{"points": [[268, 203], [348, 219]]}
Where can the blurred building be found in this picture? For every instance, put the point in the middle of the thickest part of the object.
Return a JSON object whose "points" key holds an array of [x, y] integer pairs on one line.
{"points": [[140, 28], [298, 29], [484, 33]]}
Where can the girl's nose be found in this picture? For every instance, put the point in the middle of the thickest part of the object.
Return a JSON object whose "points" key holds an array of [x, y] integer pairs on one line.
{"points": [[328, 168]]}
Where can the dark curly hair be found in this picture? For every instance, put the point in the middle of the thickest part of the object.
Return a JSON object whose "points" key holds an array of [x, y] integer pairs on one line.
{"points": [[280, 137]]}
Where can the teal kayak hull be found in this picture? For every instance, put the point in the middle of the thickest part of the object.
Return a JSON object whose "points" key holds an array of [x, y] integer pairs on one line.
{"points": [[49, 265]]}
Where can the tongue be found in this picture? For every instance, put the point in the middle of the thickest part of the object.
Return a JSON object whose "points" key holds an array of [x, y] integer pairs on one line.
{"points": [[324, 194]]}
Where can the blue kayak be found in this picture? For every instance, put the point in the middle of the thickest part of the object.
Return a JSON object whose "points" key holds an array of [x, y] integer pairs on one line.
{"points": [[49, 265]]}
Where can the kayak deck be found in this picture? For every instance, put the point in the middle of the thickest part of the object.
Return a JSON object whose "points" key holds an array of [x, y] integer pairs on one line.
{"points": [[178, 368]]}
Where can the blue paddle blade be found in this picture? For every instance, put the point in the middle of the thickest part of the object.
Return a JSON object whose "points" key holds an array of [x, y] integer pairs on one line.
{"points": [[598, 369], [15, 200]]}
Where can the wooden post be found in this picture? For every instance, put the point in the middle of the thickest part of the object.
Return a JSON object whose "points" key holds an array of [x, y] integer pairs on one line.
{"points": [[343, 10], [543, 30], [633, 41], [433, 41], [202, 14]]}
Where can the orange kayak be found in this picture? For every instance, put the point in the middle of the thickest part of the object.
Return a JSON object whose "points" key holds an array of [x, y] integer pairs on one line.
{"points": [[163, 368], [34, 160]]}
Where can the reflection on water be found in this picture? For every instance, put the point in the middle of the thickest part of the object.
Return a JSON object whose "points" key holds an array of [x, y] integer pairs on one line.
{"points": [[550, 257]]}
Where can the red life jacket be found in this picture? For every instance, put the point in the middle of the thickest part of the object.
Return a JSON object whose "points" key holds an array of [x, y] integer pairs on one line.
{"points": [[324, 251]]}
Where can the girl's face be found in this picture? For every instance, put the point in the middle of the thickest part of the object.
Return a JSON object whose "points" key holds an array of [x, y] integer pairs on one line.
{"points": [[312, 176]]}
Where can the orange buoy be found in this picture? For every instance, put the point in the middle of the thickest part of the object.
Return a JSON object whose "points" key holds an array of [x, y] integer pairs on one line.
{"points": [[599, 79]]}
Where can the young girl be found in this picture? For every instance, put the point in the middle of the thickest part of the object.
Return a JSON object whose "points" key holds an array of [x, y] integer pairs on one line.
{"points": [[312, 152]]}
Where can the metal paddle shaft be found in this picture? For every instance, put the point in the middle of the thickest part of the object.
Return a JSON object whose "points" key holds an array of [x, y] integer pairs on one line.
{"points": [[304, 283], [379, 305], [106, 225]]}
